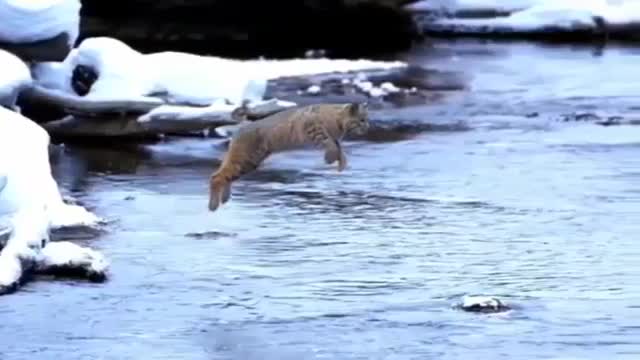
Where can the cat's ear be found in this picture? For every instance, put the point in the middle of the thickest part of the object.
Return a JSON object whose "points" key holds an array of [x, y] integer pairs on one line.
{"points": [[353, 109]]}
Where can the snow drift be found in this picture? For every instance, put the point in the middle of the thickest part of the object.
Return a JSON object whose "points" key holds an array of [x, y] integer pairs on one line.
{"points": [[25, 21], [124, 73], [31, 203], [14, 77]]}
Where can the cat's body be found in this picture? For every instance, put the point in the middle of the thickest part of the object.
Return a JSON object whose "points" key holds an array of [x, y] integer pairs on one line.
{"points": [[321, 125]]}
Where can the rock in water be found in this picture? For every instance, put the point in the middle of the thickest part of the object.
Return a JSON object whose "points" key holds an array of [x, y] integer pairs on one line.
{"points": [[483, 304], [243, 28]]}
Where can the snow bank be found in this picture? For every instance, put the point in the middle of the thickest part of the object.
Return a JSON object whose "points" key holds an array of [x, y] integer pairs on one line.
{"points": [[29, 234], [55, 75], [34, 20], [24, 163], [66, 258], [28, 250], [181, 77], [14, 76], [456, 6], [32, 204], [565, 15]]}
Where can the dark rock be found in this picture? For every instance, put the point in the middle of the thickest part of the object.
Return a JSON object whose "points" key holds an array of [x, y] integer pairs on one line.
{"points": [[243, 28], [603, 120], [73, 272], [580, 117], [210, 235], [483, 304], [82, 79], [38, 111], [54, 49]]}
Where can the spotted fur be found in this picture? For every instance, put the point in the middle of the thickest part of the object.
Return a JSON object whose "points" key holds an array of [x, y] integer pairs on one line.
{"points": [[323, 125]]}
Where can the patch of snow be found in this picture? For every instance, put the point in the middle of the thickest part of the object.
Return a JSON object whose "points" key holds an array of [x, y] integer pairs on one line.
{"points": [[389, 87], [10, 268], [365, 86], [55, 75], [227, 131], [64, 255], [368, 87], [178, 112], [28, 174], [563, 14], [273, 69], [29, 234], [182, 77], [483, 304], [14, 77], [220, 109], [484, 301], [314, 89], [34, 20], [377, 92]]}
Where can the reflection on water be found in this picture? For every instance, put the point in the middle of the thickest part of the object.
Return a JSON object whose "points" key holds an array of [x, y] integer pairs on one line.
{"points": [[305, 262]]}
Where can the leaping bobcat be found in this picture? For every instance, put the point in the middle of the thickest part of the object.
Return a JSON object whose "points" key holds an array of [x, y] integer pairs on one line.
{"points": [[321, 125]]}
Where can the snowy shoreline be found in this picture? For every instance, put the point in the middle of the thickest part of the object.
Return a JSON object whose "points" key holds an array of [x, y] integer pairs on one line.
{"points": [[570, 20]]}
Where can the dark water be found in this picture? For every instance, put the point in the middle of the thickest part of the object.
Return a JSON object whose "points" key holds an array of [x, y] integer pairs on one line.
{"points": [[306, 263]]}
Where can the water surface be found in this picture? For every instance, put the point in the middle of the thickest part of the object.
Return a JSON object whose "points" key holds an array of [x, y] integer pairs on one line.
{"points": [[307, 263]]}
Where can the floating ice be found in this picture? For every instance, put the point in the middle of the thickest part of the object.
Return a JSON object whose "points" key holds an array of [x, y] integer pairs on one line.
{"points": [[26, 21]]}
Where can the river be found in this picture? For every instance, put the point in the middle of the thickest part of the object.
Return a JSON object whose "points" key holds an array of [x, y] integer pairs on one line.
{"points": [[306, 263]]}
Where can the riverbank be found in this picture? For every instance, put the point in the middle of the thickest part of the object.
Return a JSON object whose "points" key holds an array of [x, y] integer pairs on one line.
{"points": [[568, 21]]}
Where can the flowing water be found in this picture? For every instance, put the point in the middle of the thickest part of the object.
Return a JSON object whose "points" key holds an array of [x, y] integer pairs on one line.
{"points": [[306, 263]]}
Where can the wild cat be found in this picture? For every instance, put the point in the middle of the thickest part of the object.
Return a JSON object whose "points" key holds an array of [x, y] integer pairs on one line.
{"points": [[322, 125]]}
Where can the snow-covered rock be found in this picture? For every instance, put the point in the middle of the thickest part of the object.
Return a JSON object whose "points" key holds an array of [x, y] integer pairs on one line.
{"points": [[26, 21], [14, 77], [124, 73], [31, 206], [482, 304], [24, 164]]}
